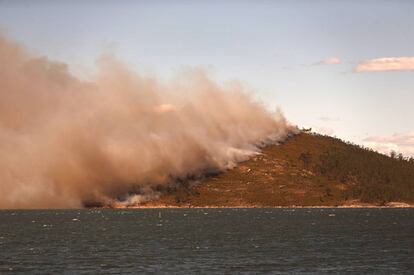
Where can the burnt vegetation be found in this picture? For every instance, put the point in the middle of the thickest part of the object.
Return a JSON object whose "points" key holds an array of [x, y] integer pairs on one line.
{"points": [[307, 170]]}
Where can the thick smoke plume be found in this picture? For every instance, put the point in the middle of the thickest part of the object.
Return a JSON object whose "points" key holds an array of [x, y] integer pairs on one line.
{"points": [[119, 138]]}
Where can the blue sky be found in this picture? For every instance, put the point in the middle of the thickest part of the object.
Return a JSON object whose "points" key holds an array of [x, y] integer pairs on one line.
{"points": [[277, 48]]}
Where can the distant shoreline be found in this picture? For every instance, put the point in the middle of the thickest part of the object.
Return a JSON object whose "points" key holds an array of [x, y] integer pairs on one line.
{"points": [[160, 206], [306, 171], [392, 205]]}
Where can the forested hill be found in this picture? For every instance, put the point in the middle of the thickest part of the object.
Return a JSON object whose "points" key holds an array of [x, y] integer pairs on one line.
{"points": [[307, 170]]}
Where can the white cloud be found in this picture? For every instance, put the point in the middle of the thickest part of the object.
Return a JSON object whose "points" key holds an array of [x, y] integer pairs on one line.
{"points": [[401, 143], [330, 61], [386, 64]]}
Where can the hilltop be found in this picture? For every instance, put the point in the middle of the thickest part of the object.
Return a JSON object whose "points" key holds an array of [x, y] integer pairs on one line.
{"points": [[307, 170]]}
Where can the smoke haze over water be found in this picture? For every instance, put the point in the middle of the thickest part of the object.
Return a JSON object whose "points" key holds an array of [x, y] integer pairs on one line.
{"points": [[64, 141]]}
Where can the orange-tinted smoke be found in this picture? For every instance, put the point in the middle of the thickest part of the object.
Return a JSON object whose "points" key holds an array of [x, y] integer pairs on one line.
{"points": [[64, 141]]}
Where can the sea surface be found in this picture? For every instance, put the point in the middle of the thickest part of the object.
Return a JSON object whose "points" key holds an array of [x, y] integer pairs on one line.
{"points": [[207, 241]]}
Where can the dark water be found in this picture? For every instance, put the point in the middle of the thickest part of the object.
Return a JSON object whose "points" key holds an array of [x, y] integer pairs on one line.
{"points": [[208, 241]]}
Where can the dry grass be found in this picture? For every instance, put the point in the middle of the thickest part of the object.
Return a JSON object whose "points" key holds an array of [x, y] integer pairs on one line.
{"points": [[292, 174]]}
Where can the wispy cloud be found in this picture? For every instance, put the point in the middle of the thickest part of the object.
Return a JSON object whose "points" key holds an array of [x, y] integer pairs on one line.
{"points": [[401, 143], [386, 64], [329, 119], [330, 61]]}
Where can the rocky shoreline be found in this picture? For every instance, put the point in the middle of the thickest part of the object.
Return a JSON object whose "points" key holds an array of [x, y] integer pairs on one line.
{"points": [[361, 205]]}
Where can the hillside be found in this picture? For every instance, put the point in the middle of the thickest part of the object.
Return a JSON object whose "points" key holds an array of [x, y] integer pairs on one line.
{"points": [[307, 170]]}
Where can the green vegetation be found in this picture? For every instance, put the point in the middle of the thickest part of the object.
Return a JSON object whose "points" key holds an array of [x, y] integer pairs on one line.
{"points": [[370, 176], [306, 170]]}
